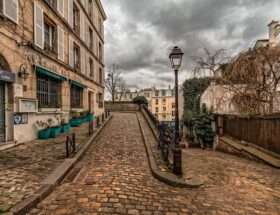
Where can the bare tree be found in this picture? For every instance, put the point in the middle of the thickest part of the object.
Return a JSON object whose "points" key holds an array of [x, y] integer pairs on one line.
{"points": [[209, 63], [250, 80], [115, 83]]}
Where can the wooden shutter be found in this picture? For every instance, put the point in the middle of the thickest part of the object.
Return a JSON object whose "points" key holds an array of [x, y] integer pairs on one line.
{"points": [[38, 26], [71, 52], [10, 9], [70, 13], [60, 7], [60, 44]]}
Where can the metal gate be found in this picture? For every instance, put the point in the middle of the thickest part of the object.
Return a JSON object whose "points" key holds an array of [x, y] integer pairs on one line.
{"points": [[2, 112]]}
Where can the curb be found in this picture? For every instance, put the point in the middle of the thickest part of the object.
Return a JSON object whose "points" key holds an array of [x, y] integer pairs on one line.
{"points": [[165, 177], [49, 184]]}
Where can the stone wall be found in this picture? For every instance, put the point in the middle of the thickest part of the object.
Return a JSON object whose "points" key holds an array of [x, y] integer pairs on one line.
{"points": [[121, 106]]}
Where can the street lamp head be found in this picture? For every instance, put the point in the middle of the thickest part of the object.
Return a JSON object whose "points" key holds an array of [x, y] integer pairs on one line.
{"points": [[176, 57]]}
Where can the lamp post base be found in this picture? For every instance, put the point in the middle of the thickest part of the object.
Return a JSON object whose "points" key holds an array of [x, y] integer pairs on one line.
{"points": [[177, 165]]}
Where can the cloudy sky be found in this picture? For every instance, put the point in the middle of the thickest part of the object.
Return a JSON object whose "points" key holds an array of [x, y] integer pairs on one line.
{"points": [[140, 33]]}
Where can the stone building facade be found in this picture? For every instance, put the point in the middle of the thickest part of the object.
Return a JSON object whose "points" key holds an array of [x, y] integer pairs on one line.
{"points": [[51, 63]]}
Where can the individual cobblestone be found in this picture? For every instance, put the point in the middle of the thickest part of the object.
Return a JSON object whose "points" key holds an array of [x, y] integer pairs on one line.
{"points": [[24, 167], [121, 181]]}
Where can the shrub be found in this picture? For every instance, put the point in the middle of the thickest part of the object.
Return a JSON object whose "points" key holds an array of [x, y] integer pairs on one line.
{"points": [[140, 100]]}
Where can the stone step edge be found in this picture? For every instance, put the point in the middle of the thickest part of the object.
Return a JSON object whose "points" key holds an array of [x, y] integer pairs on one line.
{"points": [[49, 184], [261, 154], [165, 177]]}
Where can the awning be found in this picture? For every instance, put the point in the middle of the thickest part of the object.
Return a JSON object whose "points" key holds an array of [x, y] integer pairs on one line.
{"points": [[7, 76], [43, 71], [78, 84]]}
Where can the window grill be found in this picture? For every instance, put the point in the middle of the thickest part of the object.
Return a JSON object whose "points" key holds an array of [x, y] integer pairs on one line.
{"points": [[48, 92]]}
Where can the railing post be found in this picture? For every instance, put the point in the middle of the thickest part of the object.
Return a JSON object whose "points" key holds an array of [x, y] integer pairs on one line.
{"points": [[74, 142], [67, 146]]}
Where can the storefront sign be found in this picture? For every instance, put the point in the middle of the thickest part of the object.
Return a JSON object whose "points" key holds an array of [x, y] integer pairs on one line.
{"points": [[7, 76], [20, 118], [28, 106]]}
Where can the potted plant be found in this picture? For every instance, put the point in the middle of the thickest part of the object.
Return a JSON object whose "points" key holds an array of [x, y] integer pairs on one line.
{"points": [[65, 126], [44, 130], [76, 120], [55, 130]]}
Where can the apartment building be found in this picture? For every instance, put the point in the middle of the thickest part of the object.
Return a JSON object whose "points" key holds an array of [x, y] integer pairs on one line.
{"points": [[51, 63], [161, 102]]}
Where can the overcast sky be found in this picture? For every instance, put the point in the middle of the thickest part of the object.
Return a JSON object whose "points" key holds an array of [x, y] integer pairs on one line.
{"points": [[140, 33]]}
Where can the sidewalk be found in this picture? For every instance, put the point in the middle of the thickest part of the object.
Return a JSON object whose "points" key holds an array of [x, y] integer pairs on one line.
{"points": [[25, 166]]}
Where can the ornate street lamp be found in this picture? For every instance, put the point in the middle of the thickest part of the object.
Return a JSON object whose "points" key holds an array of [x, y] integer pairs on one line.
{"points": [[176, 57]]}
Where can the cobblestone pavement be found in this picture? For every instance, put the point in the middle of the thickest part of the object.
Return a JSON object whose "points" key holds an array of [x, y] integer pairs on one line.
{"points": [[115, 179], [23, 168]]}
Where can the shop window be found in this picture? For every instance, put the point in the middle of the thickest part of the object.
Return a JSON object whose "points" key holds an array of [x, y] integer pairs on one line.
{"points": [[76, 97], [48, 92]]}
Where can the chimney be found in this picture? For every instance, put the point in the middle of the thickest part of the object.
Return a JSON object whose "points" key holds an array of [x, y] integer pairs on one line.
{"points": [[274, 28]]}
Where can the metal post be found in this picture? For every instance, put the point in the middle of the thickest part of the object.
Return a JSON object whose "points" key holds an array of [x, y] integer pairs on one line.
{"points": [[177, 152], [74, 142], [66, 146]]}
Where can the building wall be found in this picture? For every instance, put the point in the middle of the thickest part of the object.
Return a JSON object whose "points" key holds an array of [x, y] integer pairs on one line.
{"points": [[164, 108], [18, 47]]}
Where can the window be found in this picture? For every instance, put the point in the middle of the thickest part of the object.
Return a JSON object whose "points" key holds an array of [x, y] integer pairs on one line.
{"points": [[1, 6], [156, 101], [50, 34], [100, 25], [48, 92], [164, 100], [164, 116], [100, 51], [173, 113], [156, 93], [173, 105], [100, 76], [77, 57], [76, 97], [99, 100], [90, 35], [51, 3], [76, 18], [90, 8], [157, 109], [163, 92], [164, 108], [91, 68]]}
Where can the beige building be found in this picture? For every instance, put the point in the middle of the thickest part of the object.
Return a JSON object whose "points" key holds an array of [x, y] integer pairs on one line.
{"points": [[161, 102], [51, 63]]}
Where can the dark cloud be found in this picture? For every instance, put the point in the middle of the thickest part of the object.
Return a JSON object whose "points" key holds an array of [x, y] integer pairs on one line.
{"points": [[139, 34]]}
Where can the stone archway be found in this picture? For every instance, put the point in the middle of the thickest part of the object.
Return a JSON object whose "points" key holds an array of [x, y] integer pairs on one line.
{"points": [[4, 65]]}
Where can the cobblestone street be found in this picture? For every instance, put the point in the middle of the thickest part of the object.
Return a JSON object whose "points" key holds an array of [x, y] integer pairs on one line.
{"points": [[114, 178], [24, 167]]}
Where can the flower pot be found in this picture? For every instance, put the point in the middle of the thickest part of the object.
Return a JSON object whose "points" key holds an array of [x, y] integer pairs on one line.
{"points": [[65, 128], [55, 131], [76, 122], [44, 134], [90, 117]]}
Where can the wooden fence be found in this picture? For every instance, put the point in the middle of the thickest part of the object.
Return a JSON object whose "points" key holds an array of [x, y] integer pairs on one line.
{"points": [[261, 131]]}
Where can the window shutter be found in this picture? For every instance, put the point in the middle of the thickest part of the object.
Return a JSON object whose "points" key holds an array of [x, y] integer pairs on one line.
{"points": [[60, 7], [39, 26], [71, 52], [10, 9], [60, 44], [70, 13]]}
